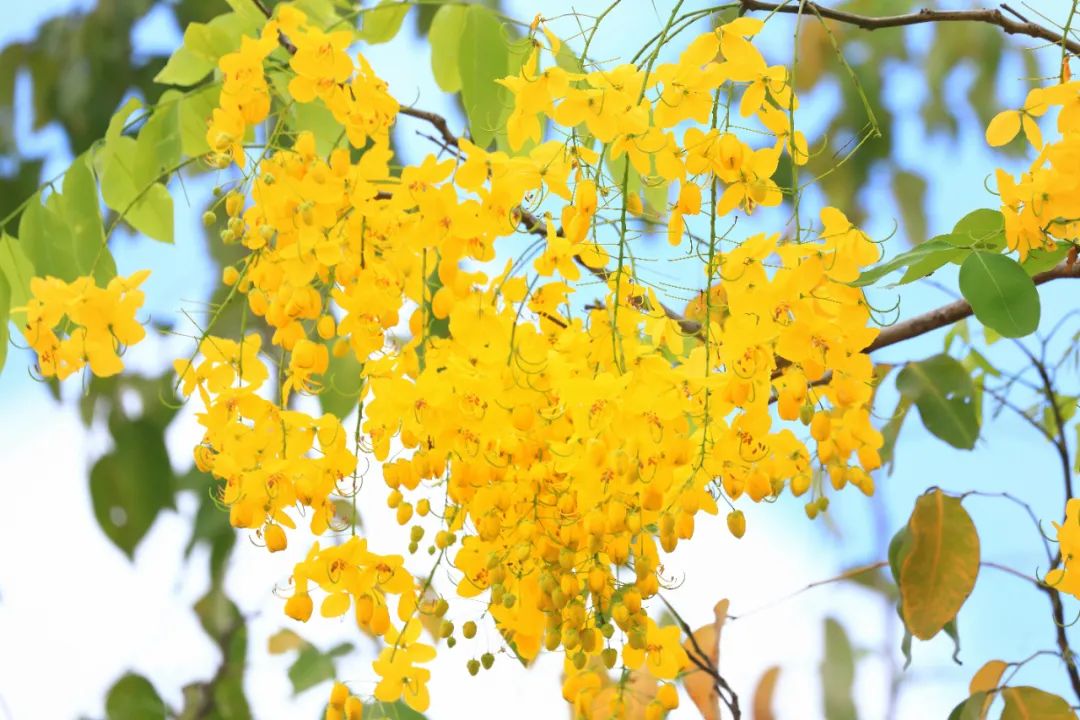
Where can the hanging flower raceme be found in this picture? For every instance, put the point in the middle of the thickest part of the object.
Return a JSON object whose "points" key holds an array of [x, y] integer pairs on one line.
{"points": [[570, 430]]}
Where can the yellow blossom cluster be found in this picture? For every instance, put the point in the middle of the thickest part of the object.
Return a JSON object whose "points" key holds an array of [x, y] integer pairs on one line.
{"points": [[568, 446], [343, 705], [1067, 577], [95, 323], [1041, 207]]}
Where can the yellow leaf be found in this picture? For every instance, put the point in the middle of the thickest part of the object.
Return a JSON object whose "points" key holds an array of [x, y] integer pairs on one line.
{"points": [[939, 571], [283, 641], [1028, 703], [763, 695], [988, 677], [699, 684], [1003, 128], [986, 681]]}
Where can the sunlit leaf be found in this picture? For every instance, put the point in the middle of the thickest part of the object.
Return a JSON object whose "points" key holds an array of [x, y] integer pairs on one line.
{"points": [[445, 38], [939, 568], [1002, 295], [381, 23], [483, 58], [1029, 703]]}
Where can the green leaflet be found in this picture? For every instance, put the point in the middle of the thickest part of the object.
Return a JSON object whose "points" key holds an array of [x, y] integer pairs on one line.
{"points": [[204, 44], [445, 38], [132, 484], [144, 203], [16, 268], [944, 394], [133, 697], [484, 57], [1002, 295], [64, 236], [5, 308], [381, 23]]}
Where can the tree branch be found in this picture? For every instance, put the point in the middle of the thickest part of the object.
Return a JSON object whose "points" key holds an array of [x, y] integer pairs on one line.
{"points": [[988, 17], [953, 312]]}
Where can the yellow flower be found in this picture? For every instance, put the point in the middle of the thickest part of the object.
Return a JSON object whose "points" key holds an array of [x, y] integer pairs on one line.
{"points": [[662, 655]]}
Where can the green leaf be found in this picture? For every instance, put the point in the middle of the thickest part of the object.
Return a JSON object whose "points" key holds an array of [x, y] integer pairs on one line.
{"points": [[248, 12], [953, 631], [204, 44], [144, 204], [81, 212], [899, 547], [311, 667], [381, 23], [5, 314], [157, 150], [484, 57], [397, 710], [16, 268], [970, 709], [185, 67], [133, 697], [891, 431], [921, 260], [938, 571], [64, 236], [1002, 295], [944, 394], [119, 119], [980, 230], [341, 385], [1042, 260], [195, 108], [1029, 703], [445, 37], [838, 673], [130, 485], [218, 615]]}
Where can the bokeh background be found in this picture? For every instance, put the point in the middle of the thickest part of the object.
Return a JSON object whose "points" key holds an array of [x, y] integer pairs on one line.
{"points": [[76, 612]]}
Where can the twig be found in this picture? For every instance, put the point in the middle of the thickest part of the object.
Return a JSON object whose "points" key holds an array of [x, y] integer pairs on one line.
{"points": [[921, 17], [705, 664]]}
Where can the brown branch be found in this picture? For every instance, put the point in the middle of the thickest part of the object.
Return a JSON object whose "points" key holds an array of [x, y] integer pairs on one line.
{"points": [[437, 121], [953, 312], [866, 22], [282, 40]]}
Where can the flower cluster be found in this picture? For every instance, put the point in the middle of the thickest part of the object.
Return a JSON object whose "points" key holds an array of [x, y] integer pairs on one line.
{"points": [[568, 424], [1067, 577], [95, 323], [1041, 207]]}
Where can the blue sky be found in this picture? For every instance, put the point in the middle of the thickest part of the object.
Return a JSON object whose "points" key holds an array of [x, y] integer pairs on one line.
{"points": [[113, 615]]}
